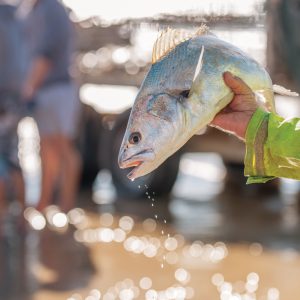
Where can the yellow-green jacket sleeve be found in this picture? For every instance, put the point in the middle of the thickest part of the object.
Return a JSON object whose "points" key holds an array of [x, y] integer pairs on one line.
{"points": [[272, 147]]}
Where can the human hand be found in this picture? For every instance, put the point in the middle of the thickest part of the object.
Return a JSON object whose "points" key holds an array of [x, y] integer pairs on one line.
{"points": [[234, 118]]}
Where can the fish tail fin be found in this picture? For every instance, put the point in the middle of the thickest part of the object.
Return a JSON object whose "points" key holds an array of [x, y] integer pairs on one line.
{"points": [[278, 89]]}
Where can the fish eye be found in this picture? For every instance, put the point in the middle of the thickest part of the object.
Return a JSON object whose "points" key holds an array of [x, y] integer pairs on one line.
{"points": [[135, 138], [185, 93]]}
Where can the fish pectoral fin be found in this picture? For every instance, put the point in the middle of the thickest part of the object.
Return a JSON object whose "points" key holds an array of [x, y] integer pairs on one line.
{"points": [[201, 131], [199, 64], [278, 89], [193, 89]]}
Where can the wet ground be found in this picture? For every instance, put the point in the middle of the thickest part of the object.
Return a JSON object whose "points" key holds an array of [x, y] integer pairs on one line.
{"points": [[210, 240]]}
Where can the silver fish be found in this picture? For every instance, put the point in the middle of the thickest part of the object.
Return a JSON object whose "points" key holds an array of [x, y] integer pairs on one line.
{"points": [[182, 93]]}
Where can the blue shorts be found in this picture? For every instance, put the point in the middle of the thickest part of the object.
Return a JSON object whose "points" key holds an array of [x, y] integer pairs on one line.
{"points": [[57, 109]]}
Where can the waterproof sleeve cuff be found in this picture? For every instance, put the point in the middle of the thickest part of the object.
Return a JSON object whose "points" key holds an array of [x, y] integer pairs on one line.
{"points": [[256, 136]]}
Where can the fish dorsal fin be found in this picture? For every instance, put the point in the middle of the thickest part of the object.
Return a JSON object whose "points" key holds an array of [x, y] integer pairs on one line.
{"points": [[170, 38], [167, 41]]}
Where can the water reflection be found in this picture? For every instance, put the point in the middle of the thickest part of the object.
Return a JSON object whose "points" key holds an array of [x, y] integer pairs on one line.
{"points": [[242, 290], [164, 249], [119, 256]]}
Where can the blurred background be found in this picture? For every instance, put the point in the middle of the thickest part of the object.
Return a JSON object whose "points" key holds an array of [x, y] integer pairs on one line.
{"points": [[192, 229]]}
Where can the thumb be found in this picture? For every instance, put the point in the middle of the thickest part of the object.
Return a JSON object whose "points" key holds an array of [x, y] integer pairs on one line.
{"points": [[236, 84]]}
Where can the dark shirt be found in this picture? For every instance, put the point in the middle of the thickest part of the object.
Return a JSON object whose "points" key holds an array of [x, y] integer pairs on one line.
{"points": [[12, 51], [50, 35]]}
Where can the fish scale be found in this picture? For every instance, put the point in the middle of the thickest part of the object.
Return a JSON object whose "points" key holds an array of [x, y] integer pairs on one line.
{"points": [[166, 69]]}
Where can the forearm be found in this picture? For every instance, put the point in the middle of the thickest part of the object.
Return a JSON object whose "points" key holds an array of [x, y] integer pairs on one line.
{"points": [[272, 147]]}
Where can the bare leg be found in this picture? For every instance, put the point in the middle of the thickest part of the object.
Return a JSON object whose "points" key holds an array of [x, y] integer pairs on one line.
{"points": [[51, 166], [71, 173]]}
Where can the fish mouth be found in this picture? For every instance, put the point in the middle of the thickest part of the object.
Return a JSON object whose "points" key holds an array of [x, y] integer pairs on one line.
{"points": [[136, 161], [133, 173]]}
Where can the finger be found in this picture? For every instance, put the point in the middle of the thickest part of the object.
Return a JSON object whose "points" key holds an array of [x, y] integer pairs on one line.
{"points": [[236, 84]]}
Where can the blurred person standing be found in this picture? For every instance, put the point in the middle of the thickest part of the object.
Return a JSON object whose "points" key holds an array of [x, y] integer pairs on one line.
{"points": [[12, 71], [283, 42], [49, 86]]}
